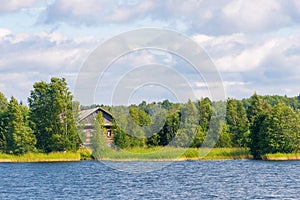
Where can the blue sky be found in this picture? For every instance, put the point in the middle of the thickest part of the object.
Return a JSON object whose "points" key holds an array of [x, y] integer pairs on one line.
{"points": [[255, 45]]}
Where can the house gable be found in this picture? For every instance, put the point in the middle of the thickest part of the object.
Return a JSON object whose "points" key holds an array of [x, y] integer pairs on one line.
{"points": [[87, 116]]}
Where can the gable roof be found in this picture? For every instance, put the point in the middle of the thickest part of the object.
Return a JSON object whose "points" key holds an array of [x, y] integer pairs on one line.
{"points": [[83, 114]]}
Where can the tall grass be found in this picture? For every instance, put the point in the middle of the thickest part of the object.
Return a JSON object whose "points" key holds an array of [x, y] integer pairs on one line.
{"points": [[282, 156], [41, 157], [138, 153], [173, 153]]}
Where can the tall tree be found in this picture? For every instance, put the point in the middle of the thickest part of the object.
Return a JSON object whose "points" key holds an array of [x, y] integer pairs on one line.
{"points": [[257, 112], [237, 122], [99, 142], [280, 131], [188, 125], [51, 111], [3, 121], [170, 128], [224, 138], [205, 113], [121, 138], [20, 138]]}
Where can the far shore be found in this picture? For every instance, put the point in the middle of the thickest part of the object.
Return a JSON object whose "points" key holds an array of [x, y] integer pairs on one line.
{"points": [[170, 154], [282, 157]]}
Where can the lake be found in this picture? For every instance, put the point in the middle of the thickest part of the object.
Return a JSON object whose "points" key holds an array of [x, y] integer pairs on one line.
{"points": [[234, 179]]}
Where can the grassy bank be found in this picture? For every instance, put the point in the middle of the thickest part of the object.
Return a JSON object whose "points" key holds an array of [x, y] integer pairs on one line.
{"points": [[152, 154], [172, 153], [41, 157], [282, 156]]}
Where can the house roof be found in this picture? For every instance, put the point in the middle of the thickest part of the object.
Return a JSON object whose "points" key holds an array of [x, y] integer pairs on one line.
{"points": [[85, 113]]}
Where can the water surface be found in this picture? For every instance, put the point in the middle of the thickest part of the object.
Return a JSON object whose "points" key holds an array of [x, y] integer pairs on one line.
{"points": [[236, 179]]}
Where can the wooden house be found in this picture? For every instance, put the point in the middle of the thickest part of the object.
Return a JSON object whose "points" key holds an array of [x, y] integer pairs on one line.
{"points": [[87, 117]]}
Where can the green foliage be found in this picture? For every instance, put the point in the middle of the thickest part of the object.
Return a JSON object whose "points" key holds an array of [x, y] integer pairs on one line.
{"points": [[50, 124], [257, 111], [280, 131], [121, 139], [3, 121], [20, 138], [224, 138], [139, 116], [171, 126], [85, 154], [188, 127], [199, 138], [205, 113], [99, 143], [51, 112], [237, 123], [153, 140]]}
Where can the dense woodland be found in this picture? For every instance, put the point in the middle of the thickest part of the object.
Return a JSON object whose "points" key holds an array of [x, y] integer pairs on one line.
{"points": [[265, 124]]}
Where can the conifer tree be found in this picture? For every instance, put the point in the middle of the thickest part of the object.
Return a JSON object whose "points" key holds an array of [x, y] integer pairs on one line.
{"points": [[237, 123], [20, 138], [3, 121]]}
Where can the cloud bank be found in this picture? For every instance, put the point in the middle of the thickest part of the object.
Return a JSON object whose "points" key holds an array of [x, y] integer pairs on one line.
{"points": [[255, 45]]}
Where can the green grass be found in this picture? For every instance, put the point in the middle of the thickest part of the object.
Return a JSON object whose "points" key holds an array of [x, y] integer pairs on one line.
{"points": [[41, 157], [172, 153], [282, 156], [153, 153]]}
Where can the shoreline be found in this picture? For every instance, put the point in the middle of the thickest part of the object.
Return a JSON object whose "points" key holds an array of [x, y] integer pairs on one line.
{"points": [[40, 157], [146, 155], [145, 160], [281, 158]]}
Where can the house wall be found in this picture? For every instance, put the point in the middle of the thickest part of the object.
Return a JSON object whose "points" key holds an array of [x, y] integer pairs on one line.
{"points": [[88, 127]]}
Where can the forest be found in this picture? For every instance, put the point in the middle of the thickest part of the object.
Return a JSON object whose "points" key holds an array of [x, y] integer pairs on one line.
{"points": [[264, 124]]}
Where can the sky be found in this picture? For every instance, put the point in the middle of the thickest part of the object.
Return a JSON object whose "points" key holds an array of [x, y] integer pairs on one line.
{"points": [[253, 44]]}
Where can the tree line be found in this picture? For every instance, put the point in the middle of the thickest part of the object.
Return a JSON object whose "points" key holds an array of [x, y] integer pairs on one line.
{"points": [[265, 124], [46, 125]]}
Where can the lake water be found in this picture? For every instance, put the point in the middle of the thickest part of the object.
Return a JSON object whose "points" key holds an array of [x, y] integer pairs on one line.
{"points": [[236, 179]]}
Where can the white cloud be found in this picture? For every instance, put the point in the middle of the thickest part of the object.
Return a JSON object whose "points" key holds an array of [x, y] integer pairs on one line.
{"points": [[255, 15], [268, 64], [254, 44], [14, 5], [94, 11], [27, 58], [4, 32], [247, 60], [213, 17]]}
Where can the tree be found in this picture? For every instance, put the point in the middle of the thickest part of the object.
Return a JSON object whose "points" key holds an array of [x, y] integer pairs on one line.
{"points": [[257, 112], [3, 121], [205, 113], [170, 128], [280, 131], [139, 116], [153, 140], [51, 112], [237, 122], [99, 141], [20, 138], [224, 138], [189, 113], [199, 137], [188, 125], [121, 139]]}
